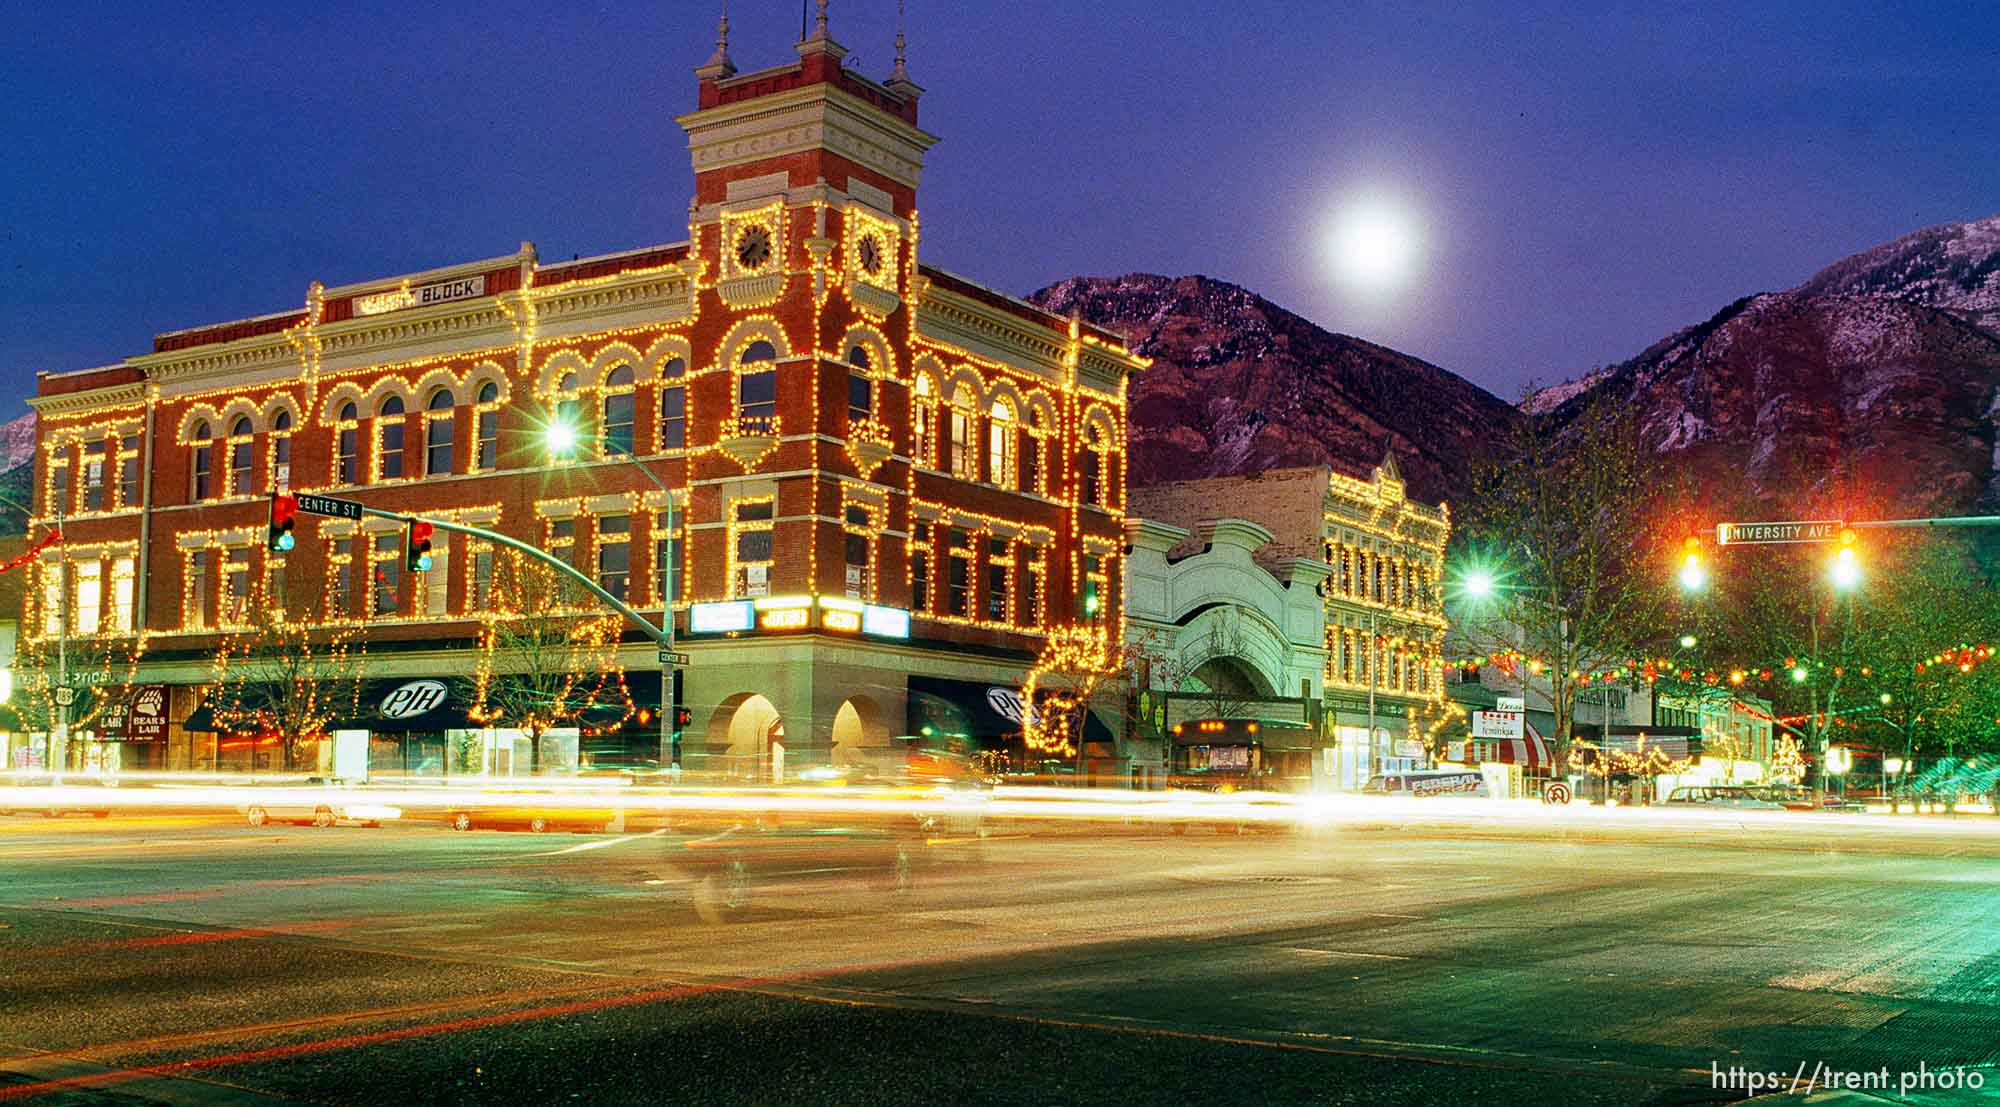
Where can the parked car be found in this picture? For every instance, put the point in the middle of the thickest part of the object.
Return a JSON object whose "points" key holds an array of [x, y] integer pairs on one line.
{"points": [[56, 804], [1730, 796], [320, 801]]}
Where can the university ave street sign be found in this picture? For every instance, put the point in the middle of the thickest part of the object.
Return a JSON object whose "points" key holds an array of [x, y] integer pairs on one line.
{"points": [[1746, 534]]}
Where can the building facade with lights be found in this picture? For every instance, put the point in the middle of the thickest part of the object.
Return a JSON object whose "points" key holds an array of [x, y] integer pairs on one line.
{"points": [[1372, 560], [881, 474]]}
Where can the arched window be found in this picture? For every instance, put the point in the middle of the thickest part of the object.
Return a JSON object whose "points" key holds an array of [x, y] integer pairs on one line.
{"points": [[281, 450], [757, 388], [1000, 444], [242, 452], [923, 423], [487, 404], [348, 448], [204, 461], [860, 387], [619, 410], [438, 433], [964, 412], [566, 405], [389, 439], [673, 405]]}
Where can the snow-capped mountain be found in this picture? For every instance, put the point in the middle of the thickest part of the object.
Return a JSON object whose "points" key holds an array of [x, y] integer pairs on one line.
{"points": [[17, 442], [1952, 266]]}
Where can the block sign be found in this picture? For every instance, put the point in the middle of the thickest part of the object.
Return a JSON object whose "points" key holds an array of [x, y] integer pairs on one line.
{"points": [[1496, 724]]}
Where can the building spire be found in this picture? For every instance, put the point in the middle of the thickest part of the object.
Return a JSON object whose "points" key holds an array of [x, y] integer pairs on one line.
{"points": [[899, 73], [718, 64], [819, 23]]}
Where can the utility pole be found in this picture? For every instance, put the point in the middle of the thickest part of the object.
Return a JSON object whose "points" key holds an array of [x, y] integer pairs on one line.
{"points": [[59, 737], [1374, 659]]}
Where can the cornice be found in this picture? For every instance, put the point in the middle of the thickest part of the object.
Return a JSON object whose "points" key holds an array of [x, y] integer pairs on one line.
{"points": [[946, 317], [89, 400]]}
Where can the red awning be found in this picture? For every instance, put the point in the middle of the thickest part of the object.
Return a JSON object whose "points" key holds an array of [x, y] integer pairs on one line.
{"points": [[1529, 752]]}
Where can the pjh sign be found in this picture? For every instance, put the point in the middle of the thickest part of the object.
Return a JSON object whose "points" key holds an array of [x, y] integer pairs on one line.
{"points": [[1747, 534]]}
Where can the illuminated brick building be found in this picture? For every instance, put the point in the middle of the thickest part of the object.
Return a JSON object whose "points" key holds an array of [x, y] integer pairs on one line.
{"points": [[884, 473]]}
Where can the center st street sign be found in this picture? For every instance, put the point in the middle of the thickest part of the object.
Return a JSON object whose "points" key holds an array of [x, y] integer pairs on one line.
{"points": [[327, 505], [1743, 534]]}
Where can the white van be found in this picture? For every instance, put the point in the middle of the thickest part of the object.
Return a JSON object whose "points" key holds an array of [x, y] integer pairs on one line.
{"points": [[1428, 782]]}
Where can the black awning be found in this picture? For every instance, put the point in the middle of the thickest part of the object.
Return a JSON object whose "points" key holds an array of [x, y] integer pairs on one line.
{"points": [[412, 705], [989, 714], [202, 721]]}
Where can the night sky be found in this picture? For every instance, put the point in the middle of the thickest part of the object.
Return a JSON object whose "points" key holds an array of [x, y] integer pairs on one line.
{"points": [[1583, 183]]}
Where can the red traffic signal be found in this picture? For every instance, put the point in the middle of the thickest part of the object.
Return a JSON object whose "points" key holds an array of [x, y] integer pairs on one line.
{"points": [[284, 515], [417, 546]]}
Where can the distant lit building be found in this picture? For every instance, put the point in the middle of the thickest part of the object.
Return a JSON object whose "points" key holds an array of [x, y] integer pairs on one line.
{"points": [[1377, 559], [884, 476]]}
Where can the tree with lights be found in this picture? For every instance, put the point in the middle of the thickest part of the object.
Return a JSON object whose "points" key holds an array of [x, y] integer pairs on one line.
{"points": [[1078, 665], [1559, 544], [546, 660], [99, 672], [289, 671]]}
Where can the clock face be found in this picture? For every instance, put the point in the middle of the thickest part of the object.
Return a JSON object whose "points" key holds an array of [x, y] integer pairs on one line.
{"points": [[871, 255], [753, 248]]}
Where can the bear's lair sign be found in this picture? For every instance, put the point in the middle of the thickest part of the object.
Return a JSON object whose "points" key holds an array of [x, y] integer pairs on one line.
{"points": [[376, 303]]}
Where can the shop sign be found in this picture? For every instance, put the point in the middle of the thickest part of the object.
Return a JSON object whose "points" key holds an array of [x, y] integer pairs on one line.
{"points": [[146, 717], [1496, 724], [1409, 747], [718, 618], [417, 697]]}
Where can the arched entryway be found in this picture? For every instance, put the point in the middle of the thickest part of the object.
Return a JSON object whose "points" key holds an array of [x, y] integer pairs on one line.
{"points": [[1228, 676], [860, 734], [750, 734]]}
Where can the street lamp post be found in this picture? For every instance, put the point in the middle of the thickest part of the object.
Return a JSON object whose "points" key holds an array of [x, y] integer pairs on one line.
{"points": [[562, 439]]}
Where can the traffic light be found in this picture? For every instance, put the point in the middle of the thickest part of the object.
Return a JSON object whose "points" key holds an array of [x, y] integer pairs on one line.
{"points": [[1846, 564], [284, 515], [417, 547], [1694, 575]]}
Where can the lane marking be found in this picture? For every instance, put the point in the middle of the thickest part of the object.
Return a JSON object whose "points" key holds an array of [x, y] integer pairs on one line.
{"points": [[1348, 953], [587, 846]]}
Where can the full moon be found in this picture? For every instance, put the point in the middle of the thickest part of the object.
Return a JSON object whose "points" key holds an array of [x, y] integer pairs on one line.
{"points": [[1374, 245]]}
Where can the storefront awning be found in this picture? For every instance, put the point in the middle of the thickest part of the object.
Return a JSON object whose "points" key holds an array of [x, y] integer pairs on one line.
{"points": [[989, 714], [1530, 752]]}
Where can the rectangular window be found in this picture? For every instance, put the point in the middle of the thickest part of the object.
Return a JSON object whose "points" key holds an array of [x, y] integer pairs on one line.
{"points": [[1090, 597], [961, 443], [482, 578], [89, 596], [389, 447], [920, 578], [757, 401], [204, 465], [669, 574], [241, 453], [488, 423], [1029, 466], [855, 582], [753, 547], [236, 585], [958, 574], [274, 582], [437, 578], [281, 462], [340, 583], [386, 572], [1028, 601], [1088, 463], [860, 398], [200, 603], [999, 562], [614, 553], [673, 418], [93, 474], [562, 540], [122, 579], [350, 466], [128, 471]]}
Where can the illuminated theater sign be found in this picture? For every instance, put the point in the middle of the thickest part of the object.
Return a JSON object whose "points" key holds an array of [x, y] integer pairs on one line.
{"points": [[779, 614]]}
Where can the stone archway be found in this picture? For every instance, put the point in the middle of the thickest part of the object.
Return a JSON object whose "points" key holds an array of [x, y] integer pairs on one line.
{"points": [[748, 737], [860, 734], [1229, 676]]}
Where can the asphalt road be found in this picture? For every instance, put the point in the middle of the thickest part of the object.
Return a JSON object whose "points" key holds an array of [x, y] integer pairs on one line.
{"points": [[169, 959]]}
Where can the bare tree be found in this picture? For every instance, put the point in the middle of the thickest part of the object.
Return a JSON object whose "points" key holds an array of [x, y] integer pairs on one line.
{"points": [[1079, 665], [289, 670], [1569, 517], [545, 660], [99, 671], [1223, 698]]}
